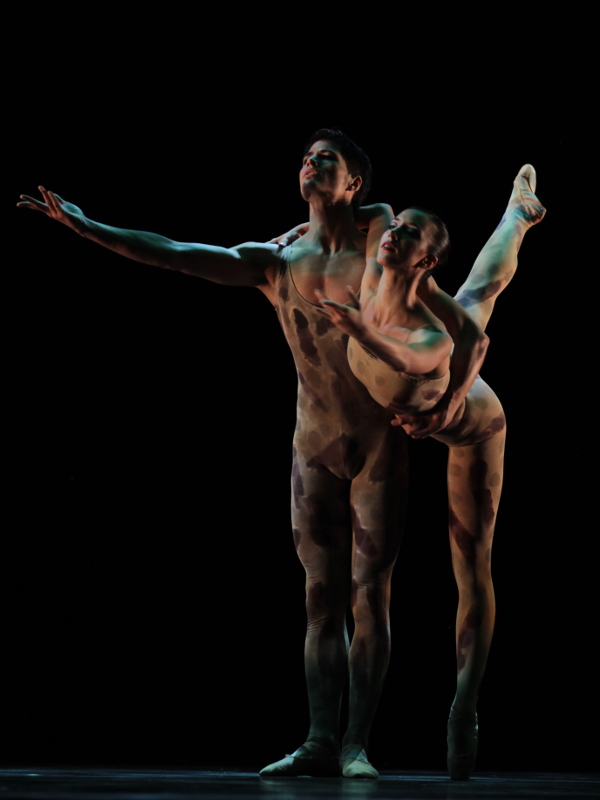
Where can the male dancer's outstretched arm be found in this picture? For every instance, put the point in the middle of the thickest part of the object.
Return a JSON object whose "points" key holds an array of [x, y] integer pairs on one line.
{"points": [[244, 265]]}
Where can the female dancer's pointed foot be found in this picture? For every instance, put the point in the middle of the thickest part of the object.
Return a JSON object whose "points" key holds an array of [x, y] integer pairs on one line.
{"points": [[463, 733], [355, 764], [523, 199], [311, 759]]}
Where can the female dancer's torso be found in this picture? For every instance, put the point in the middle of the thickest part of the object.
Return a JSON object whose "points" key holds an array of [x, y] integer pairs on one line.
{"points": [[479, 417], [395, 390]]}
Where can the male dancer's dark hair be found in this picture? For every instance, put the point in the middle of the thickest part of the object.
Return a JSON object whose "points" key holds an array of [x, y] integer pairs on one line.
{"points": [[356, 159]]}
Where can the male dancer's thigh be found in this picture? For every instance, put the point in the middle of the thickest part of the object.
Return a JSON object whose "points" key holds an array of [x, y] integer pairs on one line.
{"points": [[322, 525], [378, 501]]}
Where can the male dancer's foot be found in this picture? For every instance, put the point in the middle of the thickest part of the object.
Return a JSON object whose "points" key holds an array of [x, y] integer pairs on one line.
{"points": [[523, 201], [463, 735], [316, 758], [355, 763]]}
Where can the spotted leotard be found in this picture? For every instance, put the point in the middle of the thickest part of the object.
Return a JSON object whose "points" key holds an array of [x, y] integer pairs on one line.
{"points": [[479, 417], [395, 390]]}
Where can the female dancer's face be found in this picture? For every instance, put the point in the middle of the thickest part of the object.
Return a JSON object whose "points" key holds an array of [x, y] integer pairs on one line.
{"points": [[407, 241]]}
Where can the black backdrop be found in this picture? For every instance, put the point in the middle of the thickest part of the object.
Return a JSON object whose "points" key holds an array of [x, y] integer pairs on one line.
{"points": [[153, 608]]}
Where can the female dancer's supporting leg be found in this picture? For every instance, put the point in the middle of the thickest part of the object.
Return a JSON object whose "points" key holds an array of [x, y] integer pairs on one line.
{"points": [[474, 487]]}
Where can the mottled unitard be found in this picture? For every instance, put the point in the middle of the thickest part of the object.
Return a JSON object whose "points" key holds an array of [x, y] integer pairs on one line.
{"points": [[349, 487]]}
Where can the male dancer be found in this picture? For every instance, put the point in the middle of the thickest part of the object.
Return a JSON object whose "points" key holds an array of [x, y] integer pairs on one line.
{"points": [[350, 469]]}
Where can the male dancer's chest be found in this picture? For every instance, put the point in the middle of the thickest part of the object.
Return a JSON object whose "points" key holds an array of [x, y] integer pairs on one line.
{"points": [[334, 411], [330, 274]]}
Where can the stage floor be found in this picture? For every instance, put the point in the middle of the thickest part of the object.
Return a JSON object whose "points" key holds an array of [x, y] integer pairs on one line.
{"points": [[99, 783]]}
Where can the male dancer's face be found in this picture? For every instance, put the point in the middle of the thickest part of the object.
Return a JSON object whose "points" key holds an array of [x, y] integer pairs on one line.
{"points": [[324, 173]]}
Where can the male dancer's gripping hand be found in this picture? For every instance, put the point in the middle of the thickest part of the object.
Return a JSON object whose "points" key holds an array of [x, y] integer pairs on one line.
{"points": [[426, 424]]}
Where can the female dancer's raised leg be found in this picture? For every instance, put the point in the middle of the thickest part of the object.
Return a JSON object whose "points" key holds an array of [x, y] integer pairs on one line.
{"points": [[497, 263]]}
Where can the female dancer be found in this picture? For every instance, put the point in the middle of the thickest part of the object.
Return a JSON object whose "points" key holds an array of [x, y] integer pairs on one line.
{"points": [[401, 352]]}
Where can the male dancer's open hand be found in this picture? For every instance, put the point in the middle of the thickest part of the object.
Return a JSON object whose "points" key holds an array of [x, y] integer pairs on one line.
{"points": [[56, 208]]}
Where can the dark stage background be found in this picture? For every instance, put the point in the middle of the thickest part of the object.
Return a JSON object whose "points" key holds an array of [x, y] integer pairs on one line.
{"points": [[153, 609]]}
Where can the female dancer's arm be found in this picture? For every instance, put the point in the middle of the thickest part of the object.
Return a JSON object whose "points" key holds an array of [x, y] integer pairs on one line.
{"points": [[471, 345], [419, 353]]}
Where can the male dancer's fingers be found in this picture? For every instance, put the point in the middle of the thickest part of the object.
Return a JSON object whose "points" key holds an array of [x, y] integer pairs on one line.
{"points": [[54, 202], [45, 194], [411, 428], [353, 295], [31, 202]]}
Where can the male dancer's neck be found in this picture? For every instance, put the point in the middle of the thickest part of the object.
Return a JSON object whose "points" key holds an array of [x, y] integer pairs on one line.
{"points": [[332, 227]]}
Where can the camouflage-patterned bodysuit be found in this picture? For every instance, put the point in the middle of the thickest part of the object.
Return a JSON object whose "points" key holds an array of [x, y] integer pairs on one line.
{"points": [[349, 485]]}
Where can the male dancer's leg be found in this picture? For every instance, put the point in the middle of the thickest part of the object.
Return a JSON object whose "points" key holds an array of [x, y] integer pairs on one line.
{"points": [[378, 500], [322, 534]]}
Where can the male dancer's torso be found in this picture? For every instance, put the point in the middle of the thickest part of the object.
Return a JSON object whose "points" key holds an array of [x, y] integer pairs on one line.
{"points": [[339, 425]]}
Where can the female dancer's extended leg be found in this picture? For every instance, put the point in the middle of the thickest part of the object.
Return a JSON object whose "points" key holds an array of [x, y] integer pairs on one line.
{"points": [[496, 265]]}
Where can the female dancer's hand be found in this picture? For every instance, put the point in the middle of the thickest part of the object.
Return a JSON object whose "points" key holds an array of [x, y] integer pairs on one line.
{"points": [[347, 318], [56, 208]]}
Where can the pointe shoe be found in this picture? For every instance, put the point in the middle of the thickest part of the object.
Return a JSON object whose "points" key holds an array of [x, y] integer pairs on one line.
{"points": [[463, 734], [523, 197]]}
